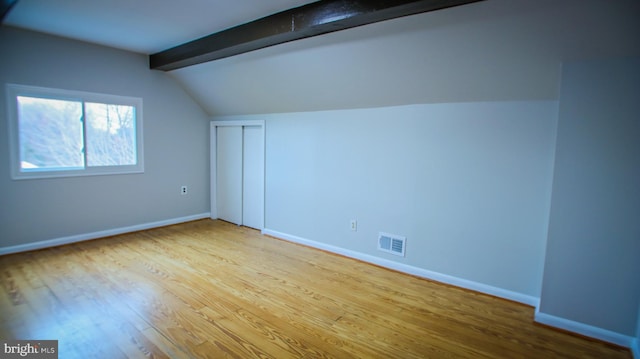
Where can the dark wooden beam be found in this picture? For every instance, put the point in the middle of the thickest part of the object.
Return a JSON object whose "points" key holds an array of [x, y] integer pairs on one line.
{"points": [[313, 19], [5, 6]]}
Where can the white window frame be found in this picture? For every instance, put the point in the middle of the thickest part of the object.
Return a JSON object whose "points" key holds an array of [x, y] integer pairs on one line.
{"points": [[13, 91]]}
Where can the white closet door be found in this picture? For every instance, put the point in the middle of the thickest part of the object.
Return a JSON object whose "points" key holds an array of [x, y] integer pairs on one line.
{"points": [[229, 173], [253, 183]]}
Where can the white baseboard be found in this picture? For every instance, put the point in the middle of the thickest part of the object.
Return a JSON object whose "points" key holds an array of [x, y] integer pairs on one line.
{"points": [[579, 328], [587, 330], [404, 268], [88, 236], [543, 318]]}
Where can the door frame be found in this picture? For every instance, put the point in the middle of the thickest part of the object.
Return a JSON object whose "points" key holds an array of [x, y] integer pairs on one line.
{"points": [[213, 160]]}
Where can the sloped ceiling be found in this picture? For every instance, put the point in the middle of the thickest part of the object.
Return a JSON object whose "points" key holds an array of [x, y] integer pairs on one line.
{"points": [[495, 50], [145, 26]]}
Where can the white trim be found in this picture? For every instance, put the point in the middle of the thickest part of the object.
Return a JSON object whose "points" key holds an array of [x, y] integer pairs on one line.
{"points": [[404, 268], [238, 123], [212, 170], [100, 234], [585, 329], [543, 318], [557, 322], [13, 91]]}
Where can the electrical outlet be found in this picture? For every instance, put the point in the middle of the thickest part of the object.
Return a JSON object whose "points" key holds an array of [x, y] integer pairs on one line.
{"points": [[353, 224], [183, 190]]}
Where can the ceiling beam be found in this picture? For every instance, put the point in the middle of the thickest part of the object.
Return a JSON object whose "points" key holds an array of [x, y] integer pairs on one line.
{"points": [[313, 19], [5, 6]]}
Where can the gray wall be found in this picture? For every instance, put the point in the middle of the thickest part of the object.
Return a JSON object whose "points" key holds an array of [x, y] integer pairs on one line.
{"points": [[175, 144], [468, 184], [592, 268]]}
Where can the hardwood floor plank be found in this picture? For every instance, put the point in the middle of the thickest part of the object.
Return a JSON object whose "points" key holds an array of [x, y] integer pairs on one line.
{"points": [[167, 347], [210, 289]]}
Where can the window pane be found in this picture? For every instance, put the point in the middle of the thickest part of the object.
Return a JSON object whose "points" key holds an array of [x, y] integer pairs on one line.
{"points": [[111, 136], [50, 134]]}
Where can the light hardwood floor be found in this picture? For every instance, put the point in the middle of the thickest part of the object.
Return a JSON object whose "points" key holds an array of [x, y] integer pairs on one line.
{"points": [[210, 289]]}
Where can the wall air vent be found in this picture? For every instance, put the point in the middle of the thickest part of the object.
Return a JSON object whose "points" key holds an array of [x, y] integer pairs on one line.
{"points": [[391, 243]]}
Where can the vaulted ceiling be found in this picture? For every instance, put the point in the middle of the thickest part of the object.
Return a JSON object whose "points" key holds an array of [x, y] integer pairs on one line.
{"points": [[144, 26], [494, 50]]}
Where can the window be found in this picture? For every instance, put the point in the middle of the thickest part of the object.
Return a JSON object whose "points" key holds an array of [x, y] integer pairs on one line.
{"points": [[59, 133]]}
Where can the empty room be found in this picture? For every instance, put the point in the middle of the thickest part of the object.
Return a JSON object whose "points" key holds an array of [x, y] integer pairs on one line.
{"points": [[320, 179]]}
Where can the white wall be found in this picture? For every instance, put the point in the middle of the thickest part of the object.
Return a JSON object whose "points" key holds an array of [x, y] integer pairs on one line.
{"points": [[175, 144], [592, 270], [468, 184]]}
